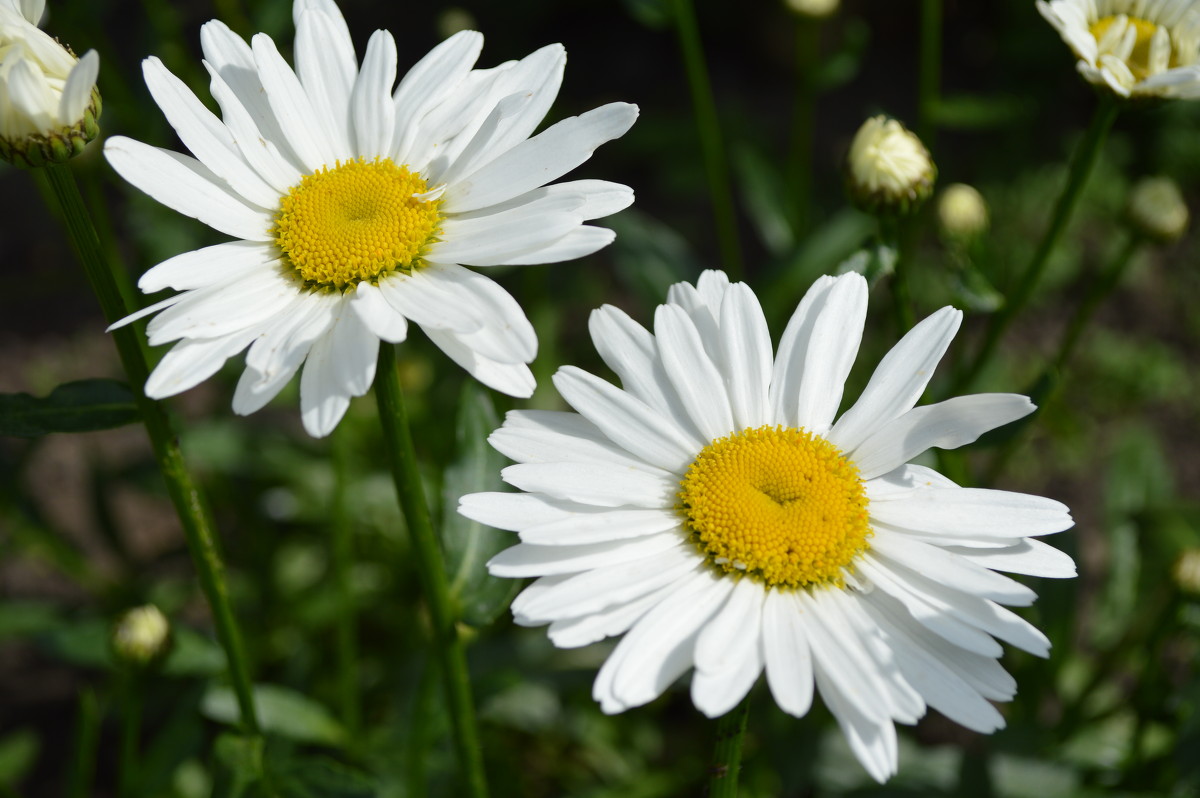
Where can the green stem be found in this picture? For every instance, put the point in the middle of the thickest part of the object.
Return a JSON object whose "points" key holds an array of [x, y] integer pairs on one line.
{"points": [[131, 726], [929, 85], [709, 128], [1082, 162], [189, 504], [897, 234], [87, 740], [727, 753], [1098, 289], [800, 158], [343, 564], [450, 651]]}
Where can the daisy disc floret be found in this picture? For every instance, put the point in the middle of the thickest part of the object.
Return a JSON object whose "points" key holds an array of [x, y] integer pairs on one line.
{"points": [[356, 202], [1137, 49], [719, 513], [49, 105]]}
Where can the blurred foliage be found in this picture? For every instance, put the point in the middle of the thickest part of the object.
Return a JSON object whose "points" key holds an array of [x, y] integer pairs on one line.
{"points": [[86, 530]]}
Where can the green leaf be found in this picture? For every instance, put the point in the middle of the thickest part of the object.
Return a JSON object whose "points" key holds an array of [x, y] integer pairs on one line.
{"points": [[23, 618], [763, 192], [81, 406], [85, 642], [281, 711], [193, 654], [18, 752], [469, 544]]}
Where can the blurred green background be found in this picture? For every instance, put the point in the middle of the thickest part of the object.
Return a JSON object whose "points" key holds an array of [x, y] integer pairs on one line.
{"points": [[86, 530]]}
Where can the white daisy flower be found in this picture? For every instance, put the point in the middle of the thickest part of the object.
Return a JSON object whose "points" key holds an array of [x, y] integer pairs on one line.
{"points": [[48, 101], [356, 207], [718, 513], [1137, 48]]}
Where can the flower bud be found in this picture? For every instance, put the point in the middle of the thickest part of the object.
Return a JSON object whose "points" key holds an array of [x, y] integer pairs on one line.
{"points": [[962, 212], [1187, 571], [1156, 209], [817, 9], [142, 636], [889, 170], [49, 105]]}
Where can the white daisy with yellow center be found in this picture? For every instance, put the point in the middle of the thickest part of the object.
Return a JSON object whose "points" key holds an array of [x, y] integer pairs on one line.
{"points": [[357, 206], [1137, 48], [717, 512]]}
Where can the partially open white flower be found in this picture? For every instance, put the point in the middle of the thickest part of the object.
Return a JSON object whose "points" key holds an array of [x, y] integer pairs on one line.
{"points": [[48, 102], [719, 513], [356, 202], [962, 212], [889, 169], [1157, 210], [1135, 48]]}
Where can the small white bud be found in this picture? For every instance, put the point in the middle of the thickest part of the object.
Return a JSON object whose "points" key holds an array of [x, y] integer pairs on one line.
{"points": [[962, 212], [1157, 210], [817, 9], [141, 636], [889, 169]]}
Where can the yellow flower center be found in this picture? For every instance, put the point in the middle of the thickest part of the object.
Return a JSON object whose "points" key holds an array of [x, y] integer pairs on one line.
{"points": [[357, 221], [781, 505], [1139, 61]]}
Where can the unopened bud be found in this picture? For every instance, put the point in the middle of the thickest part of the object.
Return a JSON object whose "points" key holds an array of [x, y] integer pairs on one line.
{"points": [[817, 9], [49, 105], [962, 212], [142, 636], [1187, 571], [889, 169], [1157, 210]]}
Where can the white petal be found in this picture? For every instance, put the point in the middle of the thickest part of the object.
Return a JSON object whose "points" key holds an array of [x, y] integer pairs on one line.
{"points": [[615, 620], [541, 159], [899, 379], [718, 692], [737, 625], [439, 71], [515, 511], [583, 240], [626, 420], [601, 527], [594, 483], [280, 170], [326, 67], [525, 234], [592, 591], [527, 559], [788, 374], [384, 321], [430, 301], [77, 91], [746, 354], [658, 649], [207, 266], [946, 425], [340, 365], [630, 351], [284, 343], [549, 436], [187, 186], [950, 569], [969, 512], [190, 363], [513, 379], [371, 105], [1030, 557], [307, 133], [697, 381], [787, 653], [871, 738], [202, 133], [224, 308], [832, 347]]}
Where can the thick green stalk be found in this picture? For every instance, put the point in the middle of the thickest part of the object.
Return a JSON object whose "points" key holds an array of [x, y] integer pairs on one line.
{"points": [[189, 504], [87, 740], [343, 563], [800, 156], [897, 233], [727, 753], [929, 80], [130, 690], [1082, 162], [449, 650], [709, 128]]}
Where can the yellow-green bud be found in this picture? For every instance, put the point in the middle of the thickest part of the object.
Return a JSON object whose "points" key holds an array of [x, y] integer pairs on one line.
{"points": [[1156, 209], [962, 212], [49, 105], [888, 169], [1187, 571], [142, 636], [817, 9]]}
